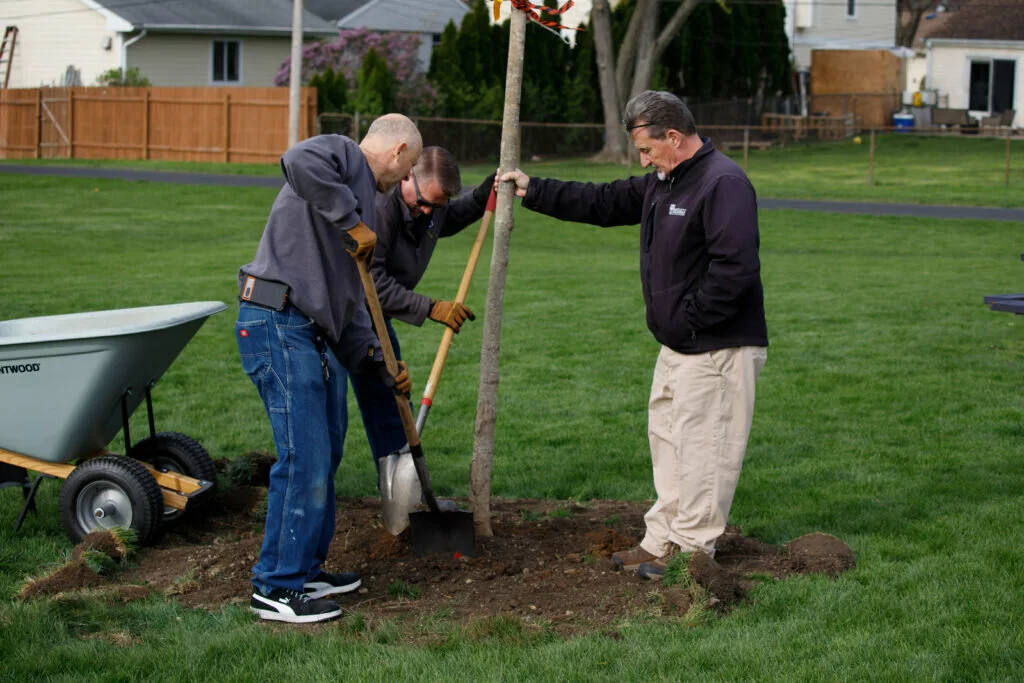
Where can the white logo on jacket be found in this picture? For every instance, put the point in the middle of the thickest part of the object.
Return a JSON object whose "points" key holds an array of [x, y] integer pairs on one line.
{"points": [[674, 210]]}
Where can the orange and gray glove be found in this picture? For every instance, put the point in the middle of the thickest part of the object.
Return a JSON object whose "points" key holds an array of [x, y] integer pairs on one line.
{"points": [[402, 381], [360, 241], [450, 313]]}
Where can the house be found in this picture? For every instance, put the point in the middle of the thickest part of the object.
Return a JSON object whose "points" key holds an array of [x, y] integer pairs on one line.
{"points": [[838, 25], [171, 42], [425, 18], [970, 56]]}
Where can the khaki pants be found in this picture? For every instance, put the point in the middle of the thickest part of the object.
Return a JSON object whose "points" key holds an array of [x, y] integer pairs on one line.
{"points": [[699, 419]]}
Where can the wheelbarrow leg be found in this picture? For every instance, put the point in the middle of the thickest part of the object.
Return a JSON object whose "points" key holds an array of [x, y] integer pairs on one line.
{"points": [[30, 499]]}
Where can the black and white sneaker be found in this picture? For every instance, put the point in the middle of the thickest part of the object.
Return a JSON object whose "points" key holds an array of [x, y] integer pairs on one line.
{"points": [[331, 584], [283, 604]]}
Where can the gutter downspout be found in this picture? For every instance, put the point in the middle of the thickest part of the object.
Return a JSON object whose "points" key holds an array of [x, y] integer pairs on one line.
{"points": [[124, 50], [930, 84]]}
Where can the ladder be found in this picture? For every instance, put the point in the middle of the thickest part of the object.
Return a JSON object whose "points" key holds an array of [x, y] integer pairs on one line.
{"points": [[7, 54]]}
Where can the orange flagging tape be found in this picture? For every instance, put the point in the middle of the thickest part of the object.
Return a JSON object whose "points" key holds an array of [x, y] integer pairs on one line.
{"points": [[533, 13]]}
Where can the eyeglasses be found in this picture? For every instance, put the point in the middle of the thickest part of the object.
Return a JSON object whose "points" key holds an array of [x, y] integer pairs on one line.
{"points": [[420, 201], [637, 125]]}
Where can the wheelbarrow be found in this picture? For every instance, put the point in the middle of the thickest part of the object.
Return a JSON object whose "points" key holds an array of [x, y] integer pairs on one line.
{"points": [[68, 385]]}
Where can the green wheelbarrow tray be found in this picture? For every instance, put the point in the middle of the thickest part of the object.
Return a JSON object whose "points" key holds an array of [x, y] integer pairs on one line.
{"points": [[69, 383]]}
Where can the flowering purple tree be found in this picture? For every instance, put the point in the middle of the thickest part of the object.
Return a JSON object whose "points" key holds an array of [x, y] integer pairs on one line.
{"points": [[346, 52]]}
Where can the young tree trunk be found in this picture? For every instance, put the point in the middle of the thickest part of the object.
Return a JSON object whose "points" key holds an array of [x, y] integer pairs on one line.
{"points": [[614, 149], [487, 400]]}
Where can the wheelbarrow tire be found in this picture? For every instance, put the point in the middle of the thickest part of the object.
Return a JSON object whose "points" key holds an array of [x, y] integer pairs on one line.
{"points": [[180, 453], [120, 489]]}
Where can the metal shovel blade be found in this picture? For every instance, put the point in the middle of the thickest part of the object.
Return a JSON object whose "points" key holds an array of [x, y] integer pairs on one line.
{"points": [[443, 532], [400, 489]]}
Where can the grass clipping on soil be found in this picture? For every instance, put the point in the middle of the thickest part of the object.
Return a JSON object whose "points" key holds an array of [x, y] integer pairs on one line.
{"points": [[99, 554]]}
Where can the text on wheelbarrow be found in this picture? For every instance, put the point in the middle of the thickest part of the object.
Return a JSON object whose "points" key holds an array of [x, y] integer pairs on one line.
{"points": [[15, 369]]}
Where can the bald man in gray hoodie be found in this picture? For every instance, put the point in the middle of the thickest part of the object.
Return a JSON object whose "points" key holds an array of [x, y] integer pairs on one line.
{"points": [[302, 329]]}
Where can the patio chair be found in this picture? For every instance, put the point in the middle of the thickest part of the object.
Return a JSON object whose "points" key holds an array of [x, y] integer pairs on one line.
{"points": [[951, 117]]}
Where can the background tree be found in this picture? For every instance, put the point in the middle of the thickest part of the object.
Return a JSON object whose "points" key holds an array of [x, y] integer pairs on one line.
{"points": [[413, 93], [130, 78], [910, 13], [331, 90], [713, 50], [375, 86], [614, 148]]}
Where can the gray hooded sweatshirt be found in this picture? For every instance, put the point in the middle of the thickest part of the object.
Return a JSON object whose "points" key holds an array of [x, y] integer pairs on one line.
{"points": [[329, 189]]}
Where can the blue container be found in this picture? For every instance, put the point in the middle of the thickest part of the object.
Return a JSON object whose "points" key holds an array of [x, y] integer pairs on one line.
{"points": [[903, 122]]}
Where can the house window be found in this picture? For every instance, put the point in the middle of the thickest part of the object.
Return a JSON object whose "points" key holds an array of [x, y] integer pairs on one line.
{"points": [[992, 85], [226, 61], [435, 39], [851, 9]]}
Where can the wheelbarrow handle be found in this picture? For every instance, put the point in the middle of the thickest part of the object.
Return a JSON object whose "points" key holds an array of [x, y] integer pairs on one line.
{"points": [[373, 302], [460, 297]]}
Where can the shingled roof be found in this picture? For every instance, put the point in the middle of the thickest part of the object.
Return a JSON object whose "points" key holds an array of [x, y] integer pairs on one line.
{"points": [[332, 10], [416, 16], [237, 16], [975, 20]]}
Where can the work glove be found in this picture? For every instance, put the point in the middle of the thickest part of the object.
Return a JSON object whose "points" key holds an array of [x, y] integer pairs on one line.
{"points": [[402, 383], [360, 241], [483, 190], [450, 313], [373, 365]]}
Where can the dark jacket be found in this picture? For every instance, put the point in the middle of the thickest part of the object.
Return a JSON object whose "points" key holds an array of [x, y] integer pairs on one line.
{"points": [[405, 245], [699, 265]]}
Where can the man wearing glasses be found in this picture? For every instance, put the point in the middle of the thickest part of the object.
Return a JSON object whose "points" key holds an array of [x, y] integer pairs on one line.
{"points": [[423, 208], [701, 279]]}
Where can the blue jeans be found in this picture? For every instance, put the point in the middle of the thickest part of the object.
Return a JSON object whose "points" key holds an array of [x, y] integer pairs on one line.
{"points": [[285, 356], [377, 405]]}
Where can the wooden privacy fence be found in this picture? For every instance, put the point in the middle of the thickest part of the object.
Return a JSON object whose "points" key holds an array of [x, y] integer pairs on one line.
{"points": [[176, 124]]}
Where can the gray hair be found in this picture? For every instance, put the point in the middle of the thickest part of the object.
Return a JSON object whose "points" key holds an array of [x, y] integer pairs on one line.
{"points": [[440, 164], [659, 112]]}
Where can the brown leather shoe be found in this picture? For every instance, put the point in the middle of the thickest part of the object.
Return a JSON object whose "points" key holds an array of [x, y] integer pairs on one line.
{"points": [[655, 569], [633, 558]]}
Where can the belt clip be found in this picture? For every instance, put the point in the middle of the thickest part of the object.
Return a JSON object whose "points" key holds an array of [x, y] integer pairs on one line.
{"points": [[250, 283]]}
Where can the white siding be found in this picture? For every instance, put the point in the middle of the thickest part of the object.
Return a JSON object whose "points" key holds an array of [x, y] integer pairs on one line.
{"points": [[175, 59], [916, 69], [873, 27], [53, 34], [949, 71]]}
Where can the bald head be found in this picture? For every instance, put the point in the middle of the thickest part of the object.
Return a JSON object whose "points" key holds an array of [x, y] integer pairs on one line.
{"points": [[395, 128], [391, 146]]}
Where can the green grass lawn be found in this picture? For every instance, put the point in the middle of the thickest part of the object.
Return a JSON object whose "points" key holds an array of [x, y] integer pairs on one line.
{"points": [[915, 169], [890, 414]]}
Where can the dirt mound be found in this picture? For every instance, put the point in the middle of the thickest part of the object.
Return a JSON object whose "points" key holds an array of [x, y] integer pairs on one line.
{"points": [[103, 542], [98, 553], [819, 553], [722, 583], [248, 469], [547, 565]]}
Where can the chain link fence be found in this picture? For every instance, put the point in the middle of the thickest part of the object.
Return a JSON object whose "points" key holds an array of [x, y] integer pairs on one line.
{"points": [[479, 141]]}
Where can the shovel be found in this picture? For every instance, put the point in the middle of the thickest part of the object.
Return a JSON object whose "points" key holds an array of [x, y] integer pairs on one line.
{"points": [[433, 531], [399, 483], [449, 334]]}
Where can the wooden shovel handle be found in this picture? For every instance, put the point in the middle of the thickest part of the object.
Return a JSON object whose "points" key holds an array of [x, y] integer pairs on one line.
{"points": [[460, 297], [389, 353]]}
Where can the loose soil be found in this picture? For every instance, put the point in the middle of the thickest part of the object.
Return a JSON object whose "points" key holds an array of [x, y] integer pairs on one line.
{"points": [[547, 566]]}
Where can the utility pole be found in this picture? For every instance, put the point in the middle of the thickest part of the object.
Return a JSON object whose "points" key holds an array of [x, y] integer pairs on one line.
{"points": [[295, 75]]}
